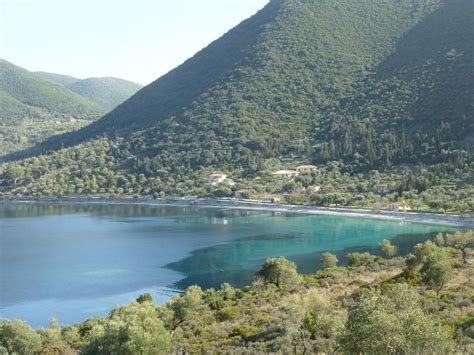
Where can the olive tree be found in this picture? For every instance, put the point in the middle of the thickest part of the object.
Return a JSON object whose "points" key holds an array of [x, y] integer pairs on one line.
{"points": [[132, 329], [388, 248], [328, 260], [461, 241], [393, 323], [281, 272], [432, 263], [17, 337]]}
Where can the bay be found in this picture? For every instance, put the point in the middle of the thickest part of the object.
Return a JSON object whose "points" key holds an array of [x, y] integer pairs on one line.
{"points": [[76, 261]]}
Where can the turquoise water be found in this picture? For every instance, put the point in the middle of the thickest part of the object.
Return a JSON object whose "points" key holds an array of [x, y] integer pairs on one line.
{"points": [[72, 262]]}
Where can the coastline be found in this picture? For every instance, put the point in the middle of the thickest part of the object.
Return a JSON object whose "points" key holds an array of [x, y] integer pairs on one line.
{"points": [[463, 221]]}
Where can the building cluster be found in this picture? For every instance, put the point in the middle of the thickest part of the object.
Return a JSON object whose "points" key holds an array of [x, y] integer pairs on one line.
{"points": [[217, 178], [290, 174], [383, 187]]}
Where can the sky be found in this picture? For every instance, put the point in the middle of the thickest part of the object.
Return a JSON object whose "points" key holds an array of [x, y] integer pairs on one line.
{"points": [[137, 40]]}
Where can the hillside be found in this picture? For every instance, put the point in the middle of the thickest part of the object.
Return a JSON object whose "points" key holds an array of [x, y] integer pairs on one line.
{"points": [[106, 92], [369, 85], [33, 109], [59, 79], [277, 83], [36, 94]]}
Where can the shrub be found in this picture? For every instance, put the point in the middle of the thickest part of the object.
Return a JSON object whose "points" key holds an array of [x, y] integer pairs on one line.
{"points": [[361, 259], [328, 260], [280, 272]]}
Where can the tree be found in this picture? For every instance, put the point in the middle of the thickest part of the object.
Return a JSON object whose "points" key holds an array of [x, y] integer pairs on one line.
{"points": [[17, 337], [328, 260], [51, 337], [146, 297], [388, 248], [281, 272], [15, 172], [393, 323], [461, 241], [132, 329], [433, 264], [186, 305]]}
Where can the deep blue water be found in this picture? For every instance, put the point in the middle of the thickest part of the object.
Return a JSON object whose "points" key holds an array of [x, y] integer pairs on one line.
{"points": [[73, 262]]}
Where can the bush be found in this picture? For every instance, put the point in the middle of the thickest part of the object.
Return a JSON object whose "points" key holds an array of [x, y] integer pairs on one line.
{"points": [[128, 330], [361, 259], [280, 272], [388, 248], [393, 323], [17, 337], [328, 260]]}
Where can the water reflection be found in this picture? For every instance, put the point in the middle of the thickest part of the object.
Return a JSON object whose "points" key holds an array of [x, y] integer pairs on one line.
{"points": [[58, 260]]}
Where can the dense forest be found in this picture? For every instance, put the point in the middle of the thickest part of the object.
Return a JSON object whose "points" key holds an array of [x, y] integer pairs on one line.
{"points": [[419, 304], [368, 87]]}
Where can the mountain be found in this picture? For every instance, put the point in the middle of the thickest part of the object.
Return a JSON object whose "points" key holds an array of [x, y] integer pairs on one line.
{"points": [[40, 96], [368, 84], [32, 109], [106, 92], [63, 80], [278, 83]]}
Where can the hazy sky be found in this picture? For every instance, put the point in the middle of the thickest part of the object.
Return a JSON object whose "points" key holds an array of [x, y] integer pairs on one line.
{"points": [[138, 40]]}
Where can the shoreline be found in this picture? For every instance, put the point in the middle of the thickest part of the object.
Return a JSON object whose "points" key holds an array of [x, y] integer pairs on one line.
{"points": [[463, 221]]}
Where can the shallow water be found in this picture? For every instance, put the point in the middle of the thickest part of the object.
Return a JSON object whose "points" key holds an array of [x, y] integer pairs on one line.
{"points": [[72, 262]]}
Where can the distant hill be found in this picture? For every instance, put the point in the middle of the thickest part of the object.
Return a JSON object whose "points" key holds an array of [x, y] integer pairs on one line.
{"points": [[106, 92], [32, 109], [40, 96], [367, 84], [59, 79]]}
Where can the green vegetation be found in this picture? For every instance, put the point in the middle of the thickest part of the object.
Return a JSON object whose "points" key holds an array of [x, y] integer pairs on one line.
{"points": [[36, 106], [33, 109], [59, 79], [34, 95], [394, 322], [385, 306], [294, 84], [106, 92], [328, 260], [388, 248]]}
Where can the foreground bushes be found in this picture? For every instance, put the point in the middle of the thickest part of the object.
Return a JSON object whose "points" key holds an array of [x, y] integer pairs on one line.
{"points": [[387, 307]]}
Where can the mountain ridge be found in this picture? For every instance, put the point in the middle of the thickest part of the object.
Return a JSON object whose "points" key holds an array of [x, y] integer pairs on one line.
{"points": [[361, 85], [172, 98], [107, 92]]}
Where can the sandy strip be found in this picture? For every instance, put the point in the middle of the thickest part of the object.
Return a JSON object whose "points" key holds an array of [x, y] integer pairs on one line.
{"points": [[466, 221]]}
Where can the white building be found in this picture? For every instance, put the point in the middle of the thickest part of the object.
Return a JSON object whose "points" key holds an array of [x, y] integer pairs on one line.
{"points": [[216, 179], [286, 174], [306, 169]]}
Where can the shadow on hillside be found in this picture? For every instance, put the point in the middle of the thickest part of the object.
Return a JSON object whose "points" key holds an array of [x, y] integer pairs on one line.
{"points": [[430, 73]]}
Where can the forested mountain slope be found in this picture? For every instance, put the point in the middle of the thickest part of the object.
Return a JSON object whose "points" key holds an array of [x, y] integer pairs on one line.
{"points": [[106, 92], [38, 96], [59, 79], [32, 109], [369, 83], [276, 84]]}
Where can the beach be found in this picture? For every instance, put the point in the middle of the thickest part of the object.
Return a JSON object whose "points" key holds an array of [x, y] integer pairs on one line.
{"points": [[465, 221]]}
